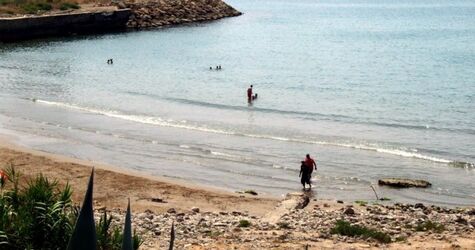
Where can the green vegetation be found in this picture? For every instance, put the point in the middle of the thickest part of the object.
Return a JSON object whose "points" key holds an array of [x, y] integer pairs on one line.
{"points": [[34, 6], [244, 223], [401, 238], [385, 199], [213, 234], [430, 226], [345, 228], [111, 237], [361, 203], [67, 6], [40, 215], [283, 225]]}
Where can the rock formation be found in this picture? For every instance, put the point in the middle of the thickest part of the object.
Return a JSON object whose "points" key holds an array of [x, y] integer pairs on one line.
{"points": [[158, 13], [404, 183]]}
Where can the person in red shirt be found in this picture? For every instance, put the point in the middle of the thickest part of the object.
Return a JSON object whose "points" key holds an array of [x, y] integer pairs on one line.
{"points": [[310, 163], [249, 94]]}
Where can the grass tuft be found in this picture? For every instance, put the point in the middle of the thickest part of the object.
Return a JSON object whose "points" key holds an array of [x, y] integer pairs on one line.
{"points": [[361, 203], [283, 225], [244, 223], [430, 226], [67, 6], [343, 227]]}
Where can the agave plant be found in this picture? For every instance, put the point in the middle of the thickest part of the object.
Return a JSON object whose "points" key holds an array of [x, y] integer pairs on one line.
{"points": [[84, 234], [172, 237], [127, 241], [102, 230]]}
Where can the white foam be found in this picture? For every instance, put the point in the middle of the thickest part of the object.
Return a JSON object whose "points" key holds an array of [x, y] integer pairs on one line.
{"points": [[221, 154], [182, 125]]}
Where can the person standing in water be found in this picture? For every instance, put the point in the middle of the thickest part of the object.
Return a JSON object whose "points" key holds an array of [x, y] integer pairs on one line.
{"points": [[310, 163], [305, 175], [249, 94]]}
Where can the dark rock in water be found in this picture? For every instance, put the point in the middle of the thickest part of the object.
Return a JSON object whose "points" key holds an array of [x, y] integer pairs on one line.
{"points": [[404, 183], [339, 201]]}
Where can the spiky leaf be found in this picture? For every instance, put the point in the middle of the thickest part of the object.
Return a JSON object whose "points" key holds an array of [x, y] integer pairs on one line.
{"points": [[127, 242], [84, 234], [172, 237]]}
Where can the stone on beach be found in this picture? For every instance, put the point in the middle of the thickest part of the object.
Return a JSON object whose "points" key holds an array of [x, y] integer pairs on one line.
{"points": [[404, 183]]}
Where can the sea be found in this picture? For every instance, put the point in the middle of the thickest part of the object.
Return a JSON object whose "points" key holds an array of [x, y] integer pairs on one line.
{"points": [[369, 88]]}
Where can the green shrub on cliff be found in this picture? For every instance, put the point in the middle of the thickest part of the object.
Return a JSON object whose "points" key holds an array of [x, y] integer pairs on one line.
{"points": [[67, 6], [33, 8]]}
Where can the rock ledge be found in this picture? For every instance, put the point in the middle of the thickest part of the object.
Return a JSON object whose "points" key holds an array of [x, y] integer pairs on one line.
{"points": [[404, 183]]}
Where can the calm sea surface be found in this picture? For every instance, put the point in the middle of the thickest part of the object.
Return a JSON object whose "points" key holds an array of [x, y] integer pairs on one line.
{"points": [[371, 89]]}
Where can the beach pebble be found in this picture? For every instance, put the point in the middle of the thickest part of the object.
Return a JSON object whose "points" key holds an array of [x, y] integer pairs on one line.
{"points": [[349, 211], [195, 209], [171, 211]]}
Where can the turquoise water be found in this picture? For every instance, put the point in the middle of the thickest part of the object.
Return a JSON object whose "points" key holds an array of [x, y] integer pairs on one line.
{"points": [[370, 88]]}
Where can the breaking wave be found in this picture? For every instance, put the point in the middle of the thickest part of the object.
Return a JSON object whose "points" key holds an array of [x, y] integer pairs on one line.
{"points": [[157, 121]]}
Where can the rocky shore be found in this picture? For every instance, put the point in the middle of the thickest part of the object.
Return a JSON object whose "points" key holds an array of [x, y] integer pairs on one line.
{"points": [[158, 13], [408, 226]]}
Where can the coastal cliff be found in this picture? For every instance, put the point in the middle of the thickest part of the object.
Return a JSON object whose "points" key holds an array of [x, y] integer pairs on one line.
{"points": [[112, 17], [160, 13], [21, 28]]}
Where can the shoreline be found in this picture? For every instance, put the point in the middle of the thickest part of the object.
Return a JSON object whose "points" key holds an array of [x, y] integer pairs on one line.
{"points": [[157, 202]]}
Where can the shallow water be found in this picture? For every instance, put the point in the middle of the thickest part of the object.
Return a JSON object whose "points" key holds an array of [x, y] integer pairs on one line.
{"points": [[370, 88]]}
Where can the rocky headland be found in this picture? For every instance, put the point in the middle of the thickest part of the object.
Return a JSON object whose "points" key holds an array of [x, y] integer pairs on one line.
{"points": [[110, 16], [158, 13]]}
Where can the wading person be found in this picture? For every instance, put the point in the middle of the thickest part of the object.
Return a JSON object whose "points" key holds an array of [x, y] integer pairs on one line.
{"points": [[305, 175], [249, 94], [310, 163]]}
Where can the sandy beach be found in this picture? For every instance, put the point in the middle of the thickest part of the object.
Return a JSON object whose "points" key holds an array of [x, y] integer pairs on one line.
{"points": [[207, 218], [113, 185]]}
